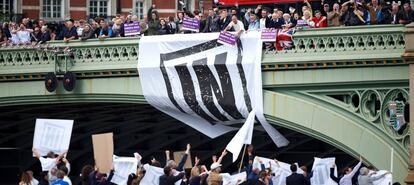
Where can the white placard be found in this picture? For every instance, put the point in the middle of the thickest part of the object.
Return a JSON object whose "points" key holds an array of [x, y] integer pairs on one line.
{"points": [[153, 174], [233, 179], [321, 171], [386, 180], [52, 135], [123, 167], [280, 169]]}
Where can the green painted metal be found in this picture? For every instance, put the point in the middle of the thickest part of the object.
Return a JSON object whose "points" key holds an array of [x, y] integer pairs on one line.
{"points": [[334, 85]]}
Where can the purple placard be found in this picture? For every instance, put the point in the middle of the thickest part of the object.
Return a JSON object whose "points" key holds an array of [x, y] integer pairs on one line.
{"points": [[191, 24], [132, 29], [227, 38], [269, 35], [302, 23]]}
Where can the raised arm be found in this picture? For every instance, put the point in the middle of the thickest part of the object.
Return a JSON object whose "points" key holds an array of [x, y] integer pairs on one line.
{"points": [[372, 179], [356, 168], [167, 156], [332, 175], [180, 166], [224, 153]]}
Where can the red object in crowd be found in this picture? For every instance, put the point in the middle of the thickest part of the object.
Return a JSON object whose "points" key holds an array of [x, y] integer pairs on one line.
{"points": [[323, 24], [253, 2]]}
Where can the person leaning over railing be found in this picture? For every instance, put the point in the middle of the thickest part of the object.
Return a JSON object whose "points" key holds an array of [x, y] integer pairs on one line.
{"points": [[106, 31], [69, 32], [87, 33]]}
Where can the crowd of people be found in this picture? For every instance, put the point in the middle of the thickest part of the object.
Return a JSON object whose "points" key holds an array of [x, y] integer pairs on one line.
{"points": [[59, 168], [331, 14]]}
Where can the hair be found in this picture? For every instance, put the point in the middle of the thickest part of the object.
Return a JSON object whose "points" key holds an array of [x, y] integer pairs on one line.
{"points": [[304, 168], [262, 174], [170, 163], [86, 170], [195, 171], [362, 170], [167, 170], [26, 178], [44, 177], [317, 11], [64, 169], [60, 174], [293, 168]]}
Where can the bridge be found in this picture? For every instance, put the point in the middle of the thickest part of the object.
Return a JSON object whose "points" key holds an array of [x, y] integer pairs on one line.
{"points": [[333, 86]]}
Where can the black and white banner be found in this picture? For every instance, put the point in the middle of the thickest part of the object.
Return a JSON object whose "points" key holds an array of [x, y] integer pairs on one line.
{"points": [[206, 85]]}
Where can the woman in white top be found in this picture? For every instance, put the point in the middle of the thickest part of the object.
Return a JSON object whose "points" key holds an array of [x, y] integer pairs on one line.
{"points": [[24, 34], [349, 173], [13, 31], [237, 25]]}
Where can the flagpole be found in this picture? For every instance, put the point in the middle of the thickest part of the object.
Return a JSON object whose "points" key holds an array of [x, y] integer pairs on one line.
{"points": [[241, 161]]}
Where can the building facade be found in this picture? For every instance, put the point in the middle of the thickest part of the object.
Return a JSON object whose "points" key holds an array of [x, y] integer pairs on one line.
{"points": [[56, 10]]}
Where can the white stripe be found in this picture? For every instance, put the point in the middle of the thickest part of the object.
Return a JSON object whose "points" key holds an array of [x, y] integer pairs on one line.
{"points": [[166, 10], [76, 8]]}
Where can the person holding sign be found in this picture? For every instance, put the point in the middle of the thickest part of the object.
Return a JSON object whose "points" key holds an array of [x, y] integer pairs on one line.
{"points": [[348, 174], [173, 164], [50, 161], [365, 178], [169, 178], [235, 25]]}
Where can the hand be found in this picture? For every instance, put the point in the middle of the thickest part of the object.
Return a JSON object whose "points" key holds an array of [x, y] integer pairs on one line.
{"points": [[167, 152], [65, 160], [188, 149], [214, 158], [259, 6], [197, 160], [153, 6]]}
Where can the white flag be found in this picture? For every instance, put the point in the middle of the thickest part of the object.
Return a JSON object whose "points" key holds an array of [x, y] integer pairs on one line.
{"points": [[243, 136], [321, 171]]}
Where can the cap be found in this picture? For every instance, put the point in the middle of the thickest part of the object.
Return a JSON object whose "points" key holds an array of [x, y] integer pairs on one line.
{"points": [[214, 166]]}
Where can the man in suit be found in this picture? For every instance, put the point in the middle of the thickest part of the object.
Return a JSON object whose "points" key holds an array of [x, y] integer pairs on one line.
{"points": [[224, 20], [295, 178]]}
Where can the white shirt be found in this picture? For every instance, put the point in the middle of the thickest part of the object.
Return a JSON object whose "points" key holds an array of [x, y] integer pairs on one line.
{"points": [[347, 179], [263, 23], [237, 27], [66, 179], [24, 36], [47, 163]]}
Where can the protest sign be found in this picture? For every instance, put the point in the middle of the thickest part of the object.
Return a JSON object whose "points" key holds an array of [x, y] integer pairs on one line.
{"points": [[132, 29], [103, 150], [52, 135]]}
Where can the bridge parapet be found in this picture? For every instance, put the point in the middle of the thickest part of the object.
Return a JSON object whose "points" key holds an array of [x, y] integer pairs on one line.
{"points": [[340, 47]]}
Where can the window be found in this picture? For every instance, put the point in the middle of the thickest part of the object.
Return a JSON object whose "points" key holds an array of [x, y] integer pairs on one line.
{"points": [[139, 9], [98, 8], [6, 6], [52, 9]]}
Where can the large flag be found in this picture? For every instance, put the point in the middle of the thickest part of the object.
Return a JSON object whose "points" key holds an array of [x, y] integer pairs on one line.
{"points": [[204, 84], [243, 136], [321, 171]]}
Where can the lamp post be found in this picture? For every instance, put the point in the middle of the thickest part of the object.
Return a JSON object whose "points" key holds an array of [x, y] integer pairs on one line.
{"points": [[409, 57]]}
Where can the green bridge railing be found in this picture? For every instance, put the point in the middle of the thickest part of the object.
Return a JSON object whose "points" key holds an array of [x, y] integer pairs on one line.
{"points": [[329, 47]]}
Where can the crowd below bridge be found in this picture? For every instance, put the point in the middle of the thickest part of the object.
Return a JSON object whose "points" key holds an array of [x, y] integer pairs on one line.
{"points": [[323, 14], [253, 170]]}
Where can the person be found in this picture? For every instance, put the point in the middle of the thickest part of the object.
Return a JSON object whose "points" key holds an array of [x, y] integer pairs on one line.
{"points": [[45, 35], [253, 174], [173, 164], [65, 170], [198, 173], [44, 179], [97, 178], [3, 37], [163, 28], [50, 160], [349, 173], [235, 25], [25, 179], [87, 33], [215, 178], [118, 28], [224, 20], [319, 20], [153, 21], [60, 175], [263, 179], [295, 178], [366, 178], [374, 9], [276, 22], [179, 22], [86, 170], [289, 21], [172, 25], [106, 31], [333, 16], [307, 17], [23, 34], [252, 21], [212, 22], [135, 178], [36, 35], [395, 8], [34, 181], [70, 32], [264, 20], [406, 15], [169, 178]]}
